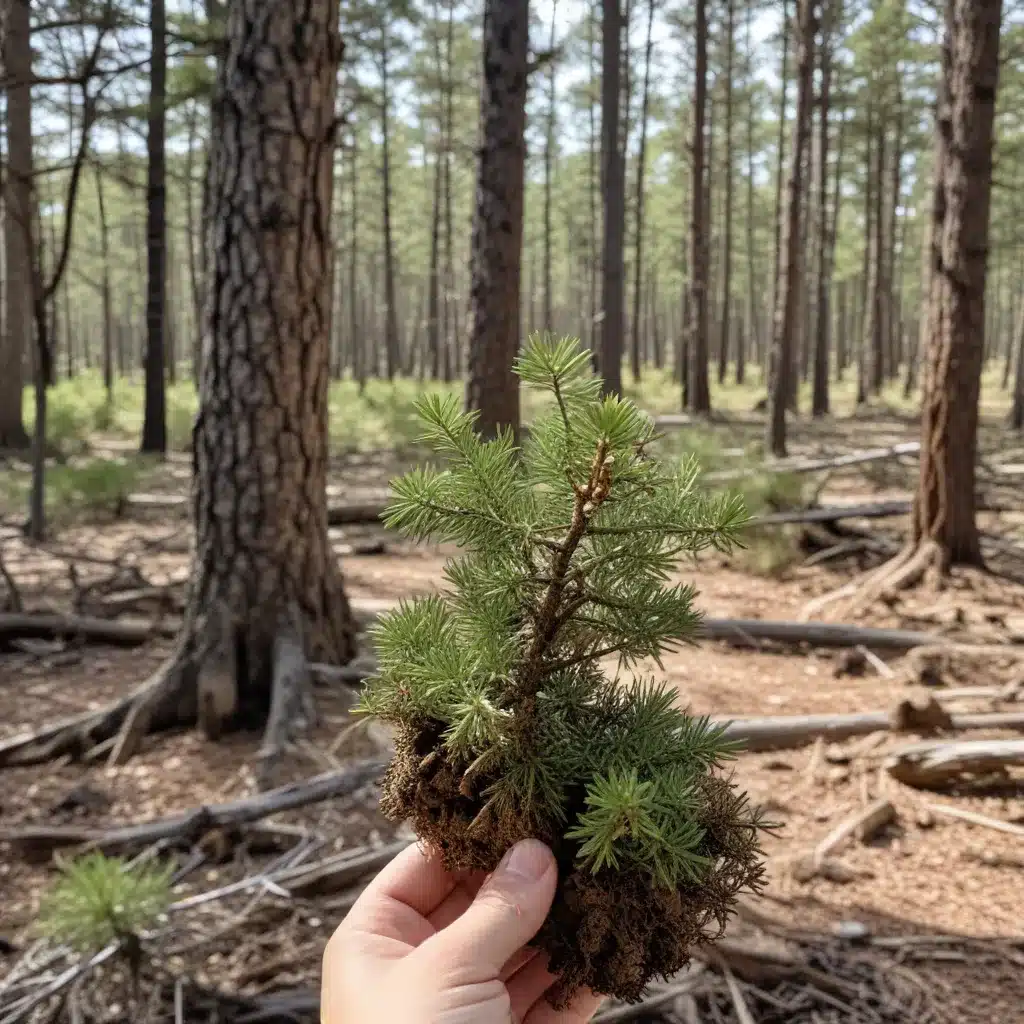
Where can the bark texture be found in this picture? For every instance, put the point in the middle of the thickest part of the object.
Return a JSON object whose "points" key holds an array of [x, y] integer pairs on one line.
{"points": [[492, 388], [784, 327], [260, 442], [698, 390], [945, 505], [614, 190], [14, 343], [154, 426]]}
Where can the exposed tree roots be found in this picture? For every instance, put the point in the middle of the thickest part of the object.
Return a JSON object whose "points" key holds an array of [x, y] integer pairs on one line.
{"points": [[220, 676], [917, 562]]}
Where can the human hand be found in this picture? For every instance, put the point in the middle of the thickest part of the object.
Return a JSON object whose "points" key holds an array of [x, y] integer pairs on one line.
{"points": [[424, 946]]}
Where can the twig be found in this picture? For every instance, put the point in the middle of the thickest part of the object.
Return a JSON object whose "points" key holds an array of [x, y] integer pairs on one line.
{"points": [[973, 818]]}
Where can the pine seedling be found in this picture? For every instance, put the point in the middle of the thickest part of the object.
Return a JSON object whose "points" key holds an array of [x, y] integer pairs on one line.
{"points": [[99, 900], [507, 724]]}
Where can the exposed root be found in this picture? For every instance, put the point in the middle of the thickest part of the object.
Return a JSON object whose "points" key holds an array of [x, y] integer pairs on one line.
{"points": [[291, 698], [907, 569]]}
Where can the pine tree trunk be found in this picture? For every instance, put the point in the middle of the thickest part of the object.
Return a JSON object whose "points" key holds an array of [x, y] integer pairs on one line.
{"points": [[18, 224], [786, 310], [780, 171], [752, 310], [944, 512], [433, 273], [867, 269], [878, 283], [355, 324], [193, 236], [641, 165], [549, 156], [819, 393], [892, 291], [493, 389], [105, 294], [451, 335], [1016, 418], [392, 341], [595, 184], [613, 269], [154, 424], [724, 326], [699, 393], [263, 566]]}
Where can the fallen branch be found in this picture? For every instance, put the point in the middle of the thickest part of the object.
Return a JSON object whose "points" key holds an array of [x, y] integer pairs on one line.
{"points": [[779, 732], [191, 825], [864, 824], [120, 633], [817, 465], [977, 819], [348, 514], [937, 765]]}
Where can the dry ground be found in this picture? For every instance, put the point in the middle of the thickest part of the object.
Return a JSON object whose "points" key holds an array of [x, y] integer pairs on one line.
{"points": [[924, 874]]}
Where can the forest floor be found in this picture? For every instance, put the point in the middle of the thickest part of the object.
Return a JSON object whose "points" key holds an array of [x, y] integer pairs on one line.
{"points": [[923, 874]]}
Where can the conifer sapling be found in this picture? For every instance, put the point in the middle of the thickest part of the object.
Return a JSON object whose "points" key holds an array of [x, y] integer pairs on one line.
{"points": [[507, 725]]}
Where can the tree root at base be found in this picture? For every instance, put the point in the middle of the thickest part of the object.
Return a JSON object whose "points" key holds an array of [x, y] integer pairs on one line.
{"points": [[905, 570]]}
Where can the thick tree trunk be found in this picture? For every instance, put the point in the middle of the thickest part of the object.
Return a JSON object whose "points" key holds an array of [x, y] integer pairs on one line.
{"points": [[496, 263], [696, 383], [18, 232], [154, 424], [724, 326], [263, 569], [786, 308], [613, 269], [945, 503]]}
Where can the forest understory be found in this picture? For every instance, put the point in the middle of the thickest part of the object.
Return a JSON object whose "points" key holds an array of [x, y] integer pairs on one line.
{"points": [[893, 887]]}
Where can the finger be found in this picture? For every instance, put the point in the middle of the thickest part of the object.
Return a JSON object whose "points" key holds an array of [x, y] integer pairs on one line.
{"points": [[581, 1008], [457, 902], [529, 985], [398, 901], [518, 962], [507, 912]]}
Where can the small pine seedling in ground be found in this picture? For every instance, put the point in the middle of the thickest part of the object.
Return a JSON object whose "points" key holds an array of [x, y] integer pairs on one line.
{"points": [[99, 900], [507, 725]]}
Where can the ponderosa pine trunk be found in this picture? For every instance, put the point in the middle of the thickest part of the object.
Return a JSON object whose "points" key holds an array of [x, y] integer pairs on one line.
{"points": [[105, 289], [752, 307], [944, 513], [392, 342], [613, 276], [496, 261], [724, 325], [780, 177], [433, 274], [18, 233], [819, 391], [1016, 418], [782, 379], [636, 357], [264, 573], [154, 424], [696, 382], [549, 158]]}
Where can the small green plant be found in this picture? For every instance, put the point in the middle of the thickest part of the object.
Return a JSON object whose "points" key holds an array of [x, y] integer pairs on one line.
{"points": [[98, 900], [508, 726], [94, 485]]}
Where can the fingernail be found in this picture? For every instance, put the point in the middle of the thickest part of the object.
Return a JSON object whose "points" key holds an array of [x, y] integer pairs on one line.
{"points": [[529, 860]]}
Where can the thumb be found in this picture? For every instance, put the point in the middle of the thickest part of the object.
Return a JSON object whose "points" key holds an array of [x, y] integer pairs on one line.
{"points": [[507, 912]]}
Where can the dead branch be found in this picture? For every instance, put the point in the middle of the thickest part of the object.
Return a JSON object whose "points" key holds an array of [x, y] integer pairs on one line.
{"points": [[865, 823], [817, 465], [349, 514], [780, 732], [122, 633], [971, 817], [191, 825], [938, 765]]}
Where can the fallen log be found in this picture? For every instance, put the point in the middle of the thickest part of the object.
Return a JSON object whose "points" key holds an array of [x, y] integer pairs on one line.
{"points": [[348, 514], [781, 732], [117, 633], [744, 631], [31, 840], [936, 765], [817, 465]]}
